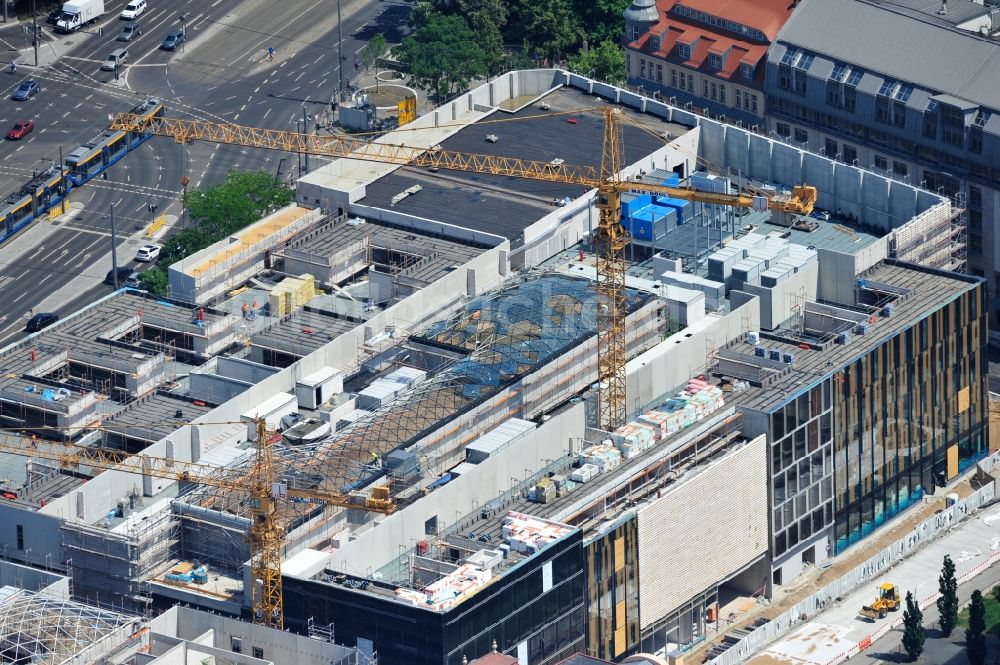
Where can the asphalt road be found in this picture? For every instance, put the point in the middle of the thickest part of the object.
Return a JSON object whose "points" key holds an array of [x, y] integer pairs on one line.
{"points": [[221, 74]]}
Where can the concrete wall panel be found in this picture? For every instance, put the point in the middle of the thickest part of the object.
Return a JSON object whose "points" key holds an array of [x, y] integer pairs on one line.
{"points": [[726, 506]]}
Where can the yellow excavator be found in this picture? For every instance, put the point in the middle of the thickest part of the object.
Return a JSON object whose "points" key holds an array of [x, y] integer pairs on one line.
{"points": [[887, 601]]}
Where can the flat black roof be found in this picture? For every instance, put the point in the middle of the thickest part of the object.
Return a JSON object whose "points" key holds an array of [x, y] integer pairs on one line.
{"points": [[503, 205]]}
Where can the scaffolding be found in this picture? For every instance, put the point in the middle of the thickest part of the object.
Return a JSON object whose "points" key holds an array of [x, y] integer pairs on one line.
{"points": [[935, 238], [41, 630], [110, 568]]}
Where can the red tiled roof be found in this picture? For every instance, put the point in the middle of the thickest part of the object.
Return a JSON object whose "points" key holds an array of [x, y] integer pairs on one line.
{"points": [[766, 15]]}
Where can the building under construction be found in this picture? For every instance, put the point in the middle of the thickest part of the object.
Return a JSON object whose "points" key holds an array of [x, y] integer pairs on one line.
{"points": [[438, 347]]}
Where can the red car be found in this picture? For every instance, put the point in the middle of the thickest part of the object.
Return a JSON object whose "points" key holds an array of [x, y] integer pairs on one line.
{"points": [[20, 129]]}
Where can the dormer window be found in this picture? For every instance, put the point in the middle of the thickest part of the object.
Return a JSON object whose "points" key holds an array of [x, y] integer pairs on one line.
{"points": [[683, 51], [715, 62], [654, 43], [746, 72]]}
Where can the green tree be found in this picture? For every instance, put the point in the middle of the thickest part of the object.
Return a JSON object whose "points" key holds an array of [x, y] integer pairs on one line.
{"points": [[913, 628], [604, 63], [975, 634], [154, 280], [215, 212], [373, 50], [442, 55], [947, 603], [243, 198], [550, 27], [603, 19], [421, 14], [486, 18]]}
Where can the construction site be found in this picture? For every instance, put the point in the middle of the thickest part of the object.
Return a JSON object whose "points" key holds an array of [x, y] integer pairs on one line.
{"points": [[441, 405]]}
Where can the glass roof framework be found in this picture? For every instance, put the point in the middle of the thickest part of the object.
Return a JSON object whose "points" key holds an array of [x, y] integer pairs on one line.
{"points": [[38, 629], [505, 335]]}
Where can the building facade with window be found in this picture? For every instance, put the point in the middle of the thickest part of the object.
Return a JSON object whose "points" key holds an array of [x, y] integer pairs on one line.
{"points": [[869, 417], [705, 55], [906, 91]]}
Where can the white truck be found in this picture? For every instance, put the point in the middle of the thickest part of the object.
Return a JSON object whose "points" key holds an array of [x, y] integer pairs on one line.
{"points": [[78, 13]]}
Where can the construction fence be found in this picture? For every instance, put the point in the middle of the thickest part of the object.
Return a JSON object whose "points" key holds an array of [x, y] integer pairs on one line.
{"points": [[873, 567]]}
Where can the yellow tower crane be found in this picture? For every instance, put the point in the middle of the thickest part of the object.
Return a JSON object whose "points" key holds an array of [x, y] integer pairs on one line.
{"points": [[265, 538], [610, 238]]}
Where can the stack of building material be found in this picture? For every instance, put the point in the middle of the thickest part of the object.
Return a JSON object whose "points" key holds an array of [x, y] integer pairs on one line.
{"points": [[448, 590], [290, 294], [584, 473], [528, 534], [635, 438], [543, 492], [603, 455]]}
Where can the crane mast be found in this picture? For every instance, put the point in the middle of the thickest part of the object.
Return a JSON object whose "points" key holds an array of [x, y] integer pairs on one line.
{"points": [[610, 242], [265, 537]]}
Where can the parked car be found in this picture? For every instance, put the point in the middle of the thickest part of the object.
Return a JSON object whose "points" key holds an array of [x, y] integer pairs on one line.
{"points": [[53, 16], [147, 253], [173, 39], [25, 90], [123, 274], [129, 32], [40, 321], [20, 129]]}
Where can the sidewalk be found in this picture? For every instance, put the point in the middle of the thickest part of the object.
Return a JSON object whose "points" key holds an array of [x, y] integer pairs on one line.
{"points": [[839, 633]]}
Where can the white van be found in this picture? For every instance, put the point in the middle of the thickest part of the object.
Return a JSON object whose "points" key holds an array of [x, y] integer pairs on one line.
{"points": [[133, 9], [116, 59]]}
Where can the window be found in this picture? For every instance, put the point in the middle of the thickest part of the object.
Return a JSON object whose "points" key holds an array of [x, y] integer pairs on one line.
{"points": [[753, 103], [900, 168], [746, 72], [715, 61], [715, 91], [952, 125], [673, 78], [635, 33], [850, 154], [722, 94], [882, 110], [706, 88], [899, 114], [431, 526], [642, 68], [258, 652], [850, 99], [659, 73], [690, 83], [683, 51], [739, 98], [976, 140], [783, 130], [654, 43], [830, 148], [236, 644], [20, 537], [881, 162], [801, 136]]}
